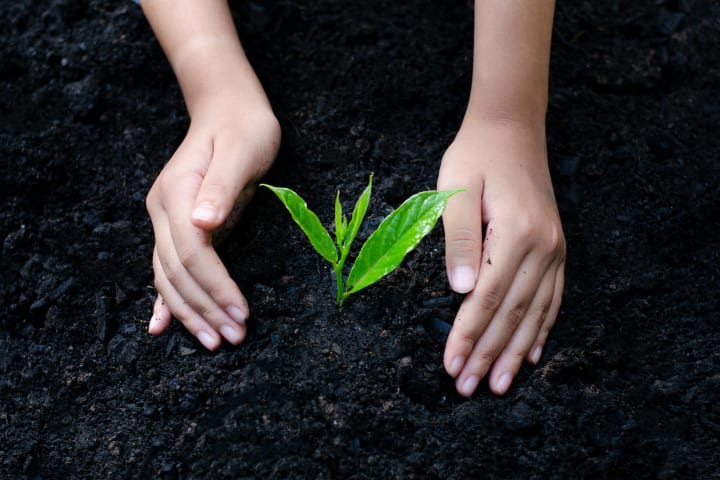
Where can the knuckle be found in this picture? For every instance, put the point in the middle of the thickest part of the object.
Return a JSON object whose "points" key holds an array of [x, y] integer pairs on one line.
{"points": [[152, 201], [553, 241], [546, 327], [542, 315], [485, 359], [218, 293], [546, 236], [514, 316], [514, 356], [561, 250], [173, 272], [446, 180], [463, 242], [488, 357], [187, 321], [525, 230], [466, 339], [163, 183], [208, 312], [189, 257], [273, 128], [517, 356], [490, 300]]}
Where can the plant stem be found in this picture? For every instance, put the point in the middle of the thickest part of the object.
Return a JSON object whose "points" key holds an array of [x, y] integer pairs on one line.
{"points": [[338, 267]]}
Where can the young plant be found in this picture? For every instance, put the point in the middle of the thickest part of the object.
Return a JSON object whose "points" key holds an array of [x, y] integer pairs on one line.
{"points": [[398, 234]]}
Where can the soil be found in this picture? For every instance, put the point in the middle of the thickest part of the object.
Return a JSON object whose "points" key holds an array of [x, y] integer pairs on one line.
{"points": [[627, 387]]}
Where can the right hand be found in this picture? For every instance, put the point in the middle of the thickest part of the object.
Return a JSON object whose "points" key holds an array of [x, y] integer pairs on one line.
{"points": [[198, 195], [514, 276]]}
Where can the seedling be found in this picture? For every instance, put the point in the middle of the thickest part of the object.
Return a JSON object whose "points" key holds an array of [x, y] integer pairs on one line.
{"points": [[398, 234]]}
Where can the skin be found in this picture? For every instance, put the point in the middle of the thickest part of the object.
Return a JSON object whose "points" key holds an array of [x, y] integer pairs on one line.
{"points": [[513, 277], [232, 141]]}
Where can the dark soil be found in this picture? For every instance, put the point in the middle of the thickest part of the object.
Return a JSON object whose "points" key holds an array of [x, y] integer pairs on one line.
{"points": [[628, 386]]}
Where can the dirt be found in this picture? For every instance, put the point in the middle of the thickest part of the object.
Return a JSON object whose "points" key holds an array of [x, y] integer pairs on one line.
{"points": [[627, 387]]}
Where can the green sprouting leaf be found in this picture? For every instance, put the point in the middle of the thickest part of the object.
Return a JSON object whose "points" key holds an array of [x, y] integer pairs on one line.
{"points": [[307, 221], [397, 235], [358, 216], [340, 221]]}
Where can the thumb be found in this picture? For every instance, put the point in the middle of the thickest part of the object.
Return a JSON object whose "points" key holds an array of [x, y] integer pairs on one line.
{"points": [[227, 175], [462, 222]]}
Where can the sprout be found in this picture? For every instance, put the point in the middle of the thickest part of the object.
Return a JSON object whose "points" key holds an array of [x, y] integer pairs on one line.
{"points": [[398, 234]]}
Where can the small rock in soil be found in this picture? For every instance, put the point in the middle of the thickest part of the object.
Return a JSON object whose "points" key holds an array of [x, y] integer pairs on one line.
{"points": [[104, 319], [120, 295], [27, 269], [82, 96], [12, 239], [440, 326], [404, 370], [440, 302], [172, 343], [52, 296]]}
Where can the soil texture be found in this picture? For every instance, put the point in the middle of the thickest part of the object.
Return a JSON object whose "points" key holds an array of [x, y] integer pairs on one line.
{"points": [[627, 386]]}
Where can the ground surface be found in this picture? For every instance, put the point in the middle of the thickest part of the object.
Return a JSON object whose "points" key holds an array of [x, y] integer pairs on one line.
{"points": [[627, 388]]}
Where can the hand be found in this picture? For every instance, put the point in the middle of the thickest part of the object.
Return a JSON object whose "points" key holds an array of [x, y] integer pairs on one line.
{"points": [[514, 277], [199, 194]]}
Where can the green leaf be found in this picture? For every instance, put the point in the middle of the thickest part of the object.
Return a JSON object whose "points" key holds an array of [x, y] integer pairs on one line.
{"points": [[340, 222], [358, 215], [396, 236], [308, 222]]}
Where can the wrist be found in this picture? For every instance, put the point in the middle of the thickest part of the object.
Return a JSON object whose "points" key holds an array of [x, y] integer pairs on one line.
{"points": [[503, 124], [213, 69], [520, 107]]}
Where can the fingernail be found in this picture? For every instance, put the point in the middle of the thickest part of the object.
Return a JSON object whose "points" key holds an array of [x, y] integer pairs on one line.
{"points": [[230, 334], [462, 279], [153, 321], [470, 385], [206, 339], [205, 213], [503, 384], [455, 366], [536, 354], [236, 314]]}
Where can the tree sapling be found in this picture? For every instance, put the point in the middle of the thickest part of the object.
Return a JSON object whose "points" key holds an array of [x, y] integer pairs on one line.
{"points": [[398, 234]]}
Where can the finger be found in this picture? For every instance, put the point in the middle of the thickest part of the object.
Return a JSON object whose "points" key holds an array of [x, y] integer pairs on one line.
{"points": [[197, 272], [229, 321], [462, 222], [510, 360], [537, 349], [192, 321], [480, 305], [506, 320], [234, 167], [221, 233], [161, 317]]}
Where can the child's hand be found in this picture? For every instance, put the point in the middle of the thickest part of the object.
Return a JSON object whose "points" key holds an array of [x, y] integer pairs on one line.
{"points": [[514, 278], [201, 190]]}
